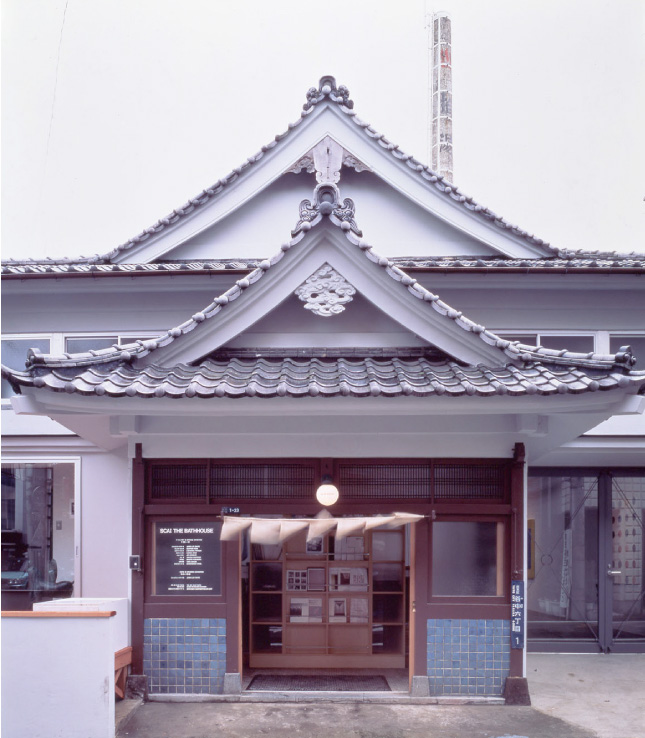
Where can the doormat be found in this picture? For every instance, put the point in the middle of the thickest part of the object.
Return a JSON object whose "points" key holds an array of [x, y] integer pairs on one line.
{"points": [[318, 683]]}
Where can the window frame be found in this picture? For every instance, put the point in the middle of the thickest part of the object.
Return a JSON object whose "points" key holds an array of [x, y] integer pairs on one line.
{"points": [[76, 461], [58, 342], [54, 347], [121, 337], [546, 333], [503, 569]]}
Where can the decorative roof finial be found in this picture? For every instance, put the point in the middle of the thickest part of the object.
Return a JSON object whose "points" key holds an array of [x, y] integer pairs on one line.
{"points": [[326, 203], [327, 88]]}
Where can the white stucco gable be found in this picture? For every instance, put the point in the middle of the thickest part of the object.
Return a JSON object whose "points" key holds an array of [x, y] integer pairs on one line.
{"points": [[360, 325], [396, 225], [409, 208], [388, 301]]}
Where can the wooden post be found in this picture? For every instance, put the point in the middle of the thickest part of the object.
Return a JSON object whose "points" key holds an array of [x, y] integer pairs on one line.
{"points": [[419, 546], [516, 690], [138, 543], [233, 589]]}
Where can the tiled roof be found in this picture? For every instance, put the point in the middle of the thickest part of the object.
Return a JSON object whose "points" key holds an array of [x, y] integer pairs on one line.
{"points": [[587, 262], [315, 377], [514, 350], [326, 91]]}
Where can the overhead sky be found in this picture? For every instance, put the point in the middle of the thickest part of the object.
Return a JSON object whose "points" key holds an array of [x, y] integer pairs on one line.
{"points": [[114, 112]]}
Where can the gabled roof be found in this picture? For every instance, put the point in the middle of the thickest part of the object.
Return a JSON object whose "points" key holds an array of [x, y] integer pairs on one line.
{"points": [[507, 367], [328, 96], [505, 350]]}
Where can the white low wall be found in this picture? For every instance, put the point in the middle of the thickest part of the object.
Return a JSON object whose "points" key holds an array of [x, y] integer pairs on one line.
{"points": [[58, 675], [121, 621]]}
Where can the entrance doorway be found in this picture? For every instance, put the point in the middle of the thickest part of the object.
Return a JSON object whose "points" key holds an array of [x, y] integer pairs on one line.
{"points": [[211, 602], [586, 561], [329, 602]]}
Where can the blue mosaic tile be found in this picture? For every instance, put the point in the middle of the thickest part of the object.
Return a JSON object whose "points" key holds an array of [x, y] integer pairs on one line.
{"points": [[185, 656], [468, 656]]}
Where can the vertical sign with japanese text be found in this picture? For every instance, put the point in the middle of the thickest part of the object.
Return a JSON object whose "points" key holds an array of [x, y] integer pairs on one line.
{"points": [[517, 613]]}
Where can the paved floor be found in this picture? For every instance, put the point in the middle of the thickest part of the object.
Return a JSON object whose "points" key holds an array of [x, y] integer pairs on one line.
{"points": [[574, 696], [604, 694]]}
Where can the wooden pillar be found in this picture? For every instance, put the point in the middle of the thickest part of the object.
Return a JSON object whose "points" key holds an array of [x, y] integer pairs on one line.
{"points": [[419, 595], [138, 543], [517, 539], [233, 589]]}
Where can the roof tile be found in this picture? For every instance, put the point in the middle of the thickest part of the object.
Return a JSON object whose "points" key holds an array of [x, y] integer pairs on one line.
{"points": [[314, 377]]}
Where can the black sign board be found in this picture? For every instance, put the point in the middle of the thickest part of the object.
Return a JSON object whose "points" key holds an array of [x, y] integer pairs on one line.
{"points": [[517, 613], [187, 558]]}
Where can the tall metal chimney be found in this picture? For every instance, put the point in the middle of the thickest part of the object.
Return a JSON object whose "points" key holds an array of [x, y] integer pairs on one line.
{"points": [[440, 94]]}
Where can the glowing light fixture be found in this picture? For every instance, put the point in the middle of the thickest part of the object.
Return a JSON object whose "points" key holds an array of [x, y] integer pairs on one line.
{"points": [[327, 493]]}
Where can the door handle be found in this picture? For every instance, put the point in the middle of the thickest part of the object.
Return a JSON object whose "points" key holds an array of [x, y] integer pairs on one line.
{"points": [[614, 572]]}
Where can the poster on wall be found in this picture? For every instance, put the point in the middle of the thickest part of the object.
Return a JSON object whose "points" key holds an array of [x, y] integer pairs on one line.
{"points": [[187, 558]]}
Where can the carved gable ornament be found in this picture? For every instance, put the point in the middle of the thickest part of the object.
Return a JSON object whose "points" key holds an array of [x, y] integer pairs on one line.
{"points": [[326, 292], [326, 159]]}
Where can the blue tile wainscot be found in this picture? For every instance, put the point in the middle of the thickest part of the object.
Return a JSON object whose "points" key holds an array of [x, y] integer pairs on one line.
{"points": [[468, 657], [184, 655]]}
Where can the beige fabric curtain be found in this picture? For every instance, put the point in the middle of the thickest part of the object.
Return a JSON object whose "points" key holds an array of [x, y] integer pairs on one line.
{"points": [[273, 531]]}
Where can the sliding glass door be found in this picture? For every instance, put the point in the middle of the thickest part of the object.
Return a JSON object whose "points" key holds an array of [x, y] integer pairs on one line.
{"points": [[585, 560], [628, 561]]}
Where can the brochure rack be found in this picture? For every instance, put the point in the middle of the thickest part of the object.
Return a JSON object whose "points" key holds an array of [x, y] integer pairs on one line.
{"points": [[329, 602]]}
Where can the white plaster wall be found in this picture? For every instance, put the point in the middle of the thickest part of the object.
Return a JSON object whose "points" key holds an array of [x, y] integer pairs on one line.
{"points": [[120, 629], [502, 301], [57, 678], [360, 324], [106, 510], [32, 425], [111, 305], [257, 228], [393, 224], [379, 444]]}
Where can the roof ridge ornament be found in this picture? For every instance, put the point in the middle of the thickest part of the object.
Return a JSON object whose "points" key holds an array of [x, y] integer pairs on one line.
{"points": [[326, 159], [327, 88], [326, 202], [326, 292]]}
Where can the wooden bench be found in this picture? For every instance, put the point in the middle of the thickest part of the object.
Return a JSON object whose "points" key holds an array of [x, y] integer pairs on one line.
{"points": [[122, 659]]}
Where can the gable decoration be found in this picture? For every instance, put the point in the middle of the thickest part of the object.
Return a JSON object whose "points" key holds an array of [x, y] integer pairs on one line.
{"points": [[326, 292]]}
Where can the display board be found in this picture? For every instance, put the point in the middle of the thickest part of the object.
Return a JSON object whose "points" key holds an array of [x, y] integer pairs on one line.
{"points": [[187, 557], [334, 602]]}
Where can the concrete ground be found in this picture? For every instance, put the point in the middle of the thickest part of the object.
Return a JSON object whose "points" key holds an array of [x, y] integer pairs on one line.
{"points": [[574, 696], [604, 694]]}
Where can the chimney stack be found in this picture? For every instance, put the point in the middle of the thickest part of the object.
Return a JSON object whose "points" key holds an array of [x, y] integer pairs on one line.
{"points": [[441, 95]]}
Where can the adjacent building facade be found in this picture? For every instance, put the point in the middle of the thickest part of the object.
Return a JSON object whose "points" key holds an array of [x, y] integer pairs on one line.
{"points": [[332, 311]]}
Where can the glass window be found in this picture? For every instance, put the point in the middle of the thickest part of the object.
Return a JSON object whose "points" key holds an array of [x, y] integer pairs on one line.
{"points": [[529, 339], [124, 340], [562, 596], [88, 343], [637, 344], [82, 344], [467, 559], [14, 355], [579, 344], [571, 342], [628, 557], [37, 533]]}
